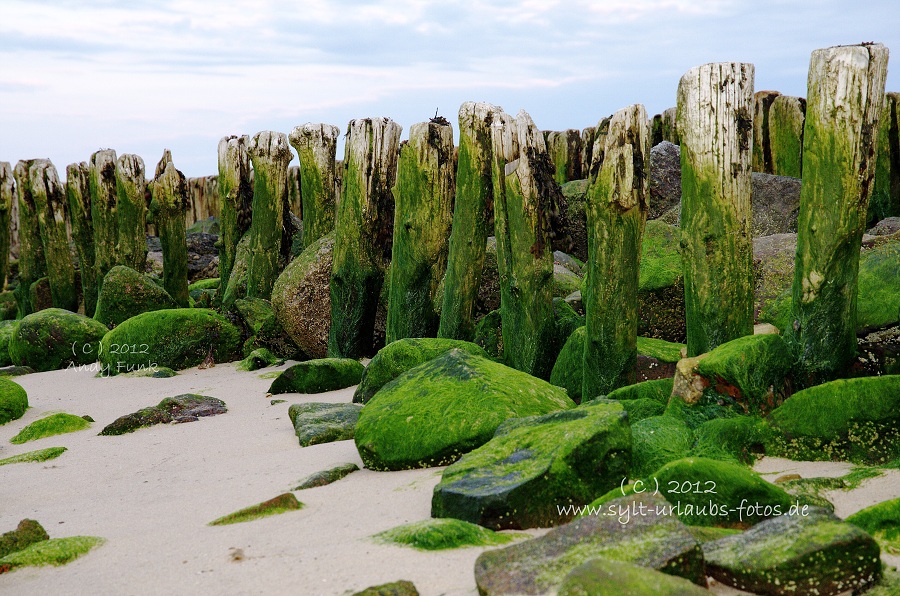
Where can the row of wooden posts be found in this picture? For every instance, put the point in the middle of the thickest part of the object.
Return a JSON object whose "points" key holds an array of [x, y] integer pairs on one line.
{"points": [[415, 213]]}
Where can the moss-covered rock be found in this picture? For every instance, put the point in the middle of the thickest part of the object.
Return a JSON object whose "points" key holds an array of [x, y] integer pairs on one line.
{"points": [[658, 440], [521, 477], [56, 551], [316, 423], [34, 456], [442, 534], [565, 281], [433, 413], [661, 285], [568, 372], [326, 477], [26, 533], [641, 408], [126, 293], [709, 406], [882, 522], [607, 577], [55, 338], [662, 350], [178, 338], [13, 401], [237, 280], [400, 356], [796, 554], [280, 504], [851, 419], [398, 588], [489, 334], [210, 283], [6, 332], [739, 439], [318, 376], [540, 565], [54, 424], [264, 328], [257, 359], [659, 390], [187, 407]]}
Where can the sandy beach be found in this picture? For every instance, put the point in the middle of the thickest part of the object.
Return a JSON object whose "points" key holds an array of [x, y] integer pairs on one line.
{"points": [[151, 494]]}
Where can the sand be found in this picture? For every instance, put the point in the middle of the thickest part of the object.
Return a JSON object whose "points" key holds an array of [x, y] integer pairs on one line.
{"points": [[151, 494]]}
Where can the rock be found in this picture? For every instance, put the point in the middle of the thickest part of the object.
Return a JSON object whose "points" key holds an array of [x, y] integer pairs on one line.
{"points": [[568, 372], [773, 268], [6, 332], [607, 577], [397, 588], [540, 565], [177, 338], [203, 255], [564, 281], [521, 477], [54, 424], [737, 439], [13, 401], [210, 225], [688, 385], [400, 356], [665, 178], [882, 522], [886, 227], [326, 477], [126, 293], [796, 554], [574, 217], [8, 307], [489, 334], [264, 328], [658, 440], [237, 281], [318, 376], [775, 202], [15, 371], [442, 534], [658, 390], [661, 286], [316, 423], [640, 409], [187, 407], [28, 532], [54, 338], [259, 358], [281, 504], [435, 412], [569, 262]]}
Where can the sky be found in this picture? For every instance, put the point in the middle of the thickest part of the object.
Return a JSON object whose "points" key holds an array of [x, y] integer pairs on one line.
{"points": [[142, 76]]}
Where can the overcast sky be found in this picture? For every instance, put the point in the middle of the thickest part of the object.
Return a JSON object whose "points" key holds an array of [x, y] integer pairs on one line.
{"points": [[140, 76]]}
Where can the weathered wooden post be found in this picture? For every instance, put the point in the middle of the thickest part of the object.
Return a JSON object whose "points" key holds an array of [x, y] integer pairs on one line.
{"points": [[7, 195], [564, 148], [715, 122], [316, 145], [886, 196], [32, 263], [845, 100], [616, 206], [670, 130], [49, 205], [104, 201], [170, 195], [131, 211], [473, 212], [236, 197], [656, 130], [786, 116], [78, 196], [363, 233], [587, 150], [599, 149], [270, 154], [524, 199], [762, 149], [423, 199]]}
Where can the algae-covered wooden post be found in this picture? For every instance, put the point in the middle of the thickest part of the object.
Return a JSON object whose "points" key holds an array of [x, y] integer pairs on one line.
{"points": [[363, 233], [32, 264], [844, 103], [616, 207], [715, 122], [786, 116], [762, 149], [587, 150], [564, 148], [316, 145], [7, 196], [670, 130], [525, 197], [656, 130], [423, 199], [78, 197], [131, 212], [885, 200], [104, 200], [270, 153], [49, 206], [170, 196], [235, 196], [599, 148], [472, 214]]}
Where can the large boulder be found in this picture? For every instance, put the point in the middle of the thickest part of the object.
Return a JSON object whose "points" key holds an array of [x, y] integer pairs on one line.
{"points": [[532, 467], [776, 204], [177, 338], [55, 338], [882, 522], [318, 376], [658, 440], [607, 577], [575, 217], [316, 422], [433, 413], [237, 280], [13, 401], [661, 284], [6, 332], [126, 293], [665, 179], [264, 328]]}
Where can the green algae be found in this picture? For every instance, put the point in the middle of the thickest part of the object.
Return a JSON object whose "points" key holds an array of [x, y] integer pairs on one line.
{"points": [[882, 521], [658, 440], [658, 390], [55, 424], [126, 293], [55, 551], [275, 506], [442, 534], [13, 401], [34, 456], [318, 376], [54, 338]]}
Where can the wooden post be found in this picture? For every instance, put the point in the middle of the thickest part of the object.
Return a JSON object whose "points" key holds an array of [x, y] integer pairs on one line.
{"points": [[78, 196], [104, 202], [762, 149], [170, 195], [670, 131], [656, 130], [715, 121], [616, 205], [363, 233], [886, 196], [7, 194], [270, 154], [525, 196], [587, 150], [131, 210], [49, 206], [845, 101], [236, 197], [32, 263], [423, 211], [316, 145], [473, 212], [599, 149], [564, 148], [786, 116]]}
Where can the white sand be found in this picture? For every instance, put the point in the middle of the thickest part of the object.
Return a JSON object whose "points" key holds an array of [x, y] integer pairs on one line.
{"points": [[151, 494]]}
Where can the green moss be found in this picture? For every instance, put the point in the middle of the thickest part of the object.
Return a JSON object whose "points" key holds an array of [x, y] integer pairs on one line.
{"points": [[316, 423], [56, 551], [34, 456], [489, 334], [265, 328], [13, 401], [658, 390], [442, 534], [878, 286], [236, 287], [711, 406], [270, 375], [568, 372], [738, 439], [55, 424], [26, 533], [259, 358], [607, 577], [888, 585], [280, 504], [397, 588], [664, 351], [318, 376], [657, 441], [660, 256], [210, 283], [705, 534], [55, 338], [6, 332], [882, 521], [641, 408]]}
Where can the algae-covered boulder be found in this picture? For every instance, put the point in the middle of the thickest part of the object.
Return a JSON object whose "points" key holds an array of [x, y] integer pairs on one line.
{"points": [[26, 533], [264, 328], [522, 477], [13, 401], [55, 338], [326, 477], [187, 407], [607, 577], [811, 553], [6, 332], [399, 356], [316, 423], [658, 440], [435, 412], [642, 408], [659, 390], [565, 281], [442, 534], [318, 376], [257, 359], [54, 424], [661, 285], [541, 565], [568, 372], [177, 338], [739, 439], [398, 588], [237, 281], [126, 293], [881, 521], [851, 419]]}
